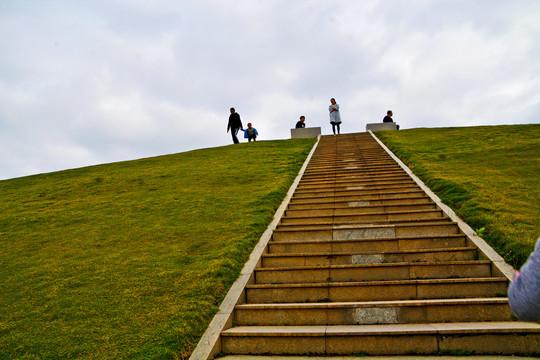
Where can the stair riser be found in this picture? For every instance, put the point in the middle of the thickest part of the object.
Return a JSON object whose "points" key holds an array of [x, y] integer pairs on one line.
{"points": [[293, 247], [356, 208], [344, 184], [393, 203], [363, 218], [403, 195], [326, 260], [368, 273], [503, 344], [347, 169], [368, 292], [373, 315], [358, 178], [364, 233], [355, 191]]}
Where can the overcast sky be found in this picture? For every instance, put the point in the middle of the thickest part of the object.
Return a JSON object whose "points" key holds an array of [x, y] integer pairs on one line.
{"points": [[96, 81]]}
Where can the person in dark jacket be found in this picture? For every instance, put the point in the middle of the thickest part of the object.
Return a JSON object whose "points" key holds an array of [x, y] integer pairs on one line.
{"points": [[388, 117], [234, 125], [300, 124]]}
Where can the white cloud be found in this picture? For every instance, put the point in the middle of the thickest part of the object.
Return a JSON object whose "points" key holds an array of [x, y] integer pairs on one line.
{"points": [[88, 82]]}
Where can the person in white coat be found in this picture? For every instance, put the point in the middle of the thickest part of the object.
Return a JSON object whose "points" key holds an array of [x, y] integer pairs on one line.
{"points": [[335, 117]]}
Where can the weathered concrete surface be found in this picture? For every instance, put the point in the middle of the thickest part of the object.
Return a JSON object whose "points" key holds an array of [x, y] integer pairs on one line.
{"points": [[308, 132], [381, 126]]}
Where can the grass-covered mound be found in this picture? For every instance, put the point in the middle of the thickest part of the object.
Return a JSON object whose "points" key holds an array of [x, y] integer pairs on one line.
{"points": [[132, 259], [489, 175]]}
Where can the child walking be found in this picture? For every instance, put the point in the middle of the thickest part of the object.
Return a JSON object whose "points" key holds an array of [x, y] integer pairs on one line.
{"points": [[250, 133]]}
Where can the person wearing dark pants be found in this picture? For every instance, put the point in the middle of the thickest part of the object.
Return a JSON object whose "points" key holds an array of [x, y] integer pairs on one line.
{"points": [[335, 116], [234, 125]]}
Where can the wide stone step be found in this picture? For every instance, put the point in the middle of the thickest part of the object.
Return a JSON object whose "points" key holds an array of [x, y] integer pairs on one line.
{"points": [[354, 209], [377, 290], [374, 312], [373, 272], [352, 195], [367, 245], [345, 183], [390, 339], [368, 176], [354, 190], [346, 258], [359, 217], [346, 168], [368, 231], [382, 193], [416, 197]]}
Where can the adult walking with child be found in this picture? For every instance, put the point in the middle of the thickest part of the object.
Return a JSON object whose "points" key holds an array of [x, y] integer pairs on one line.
{"points": [[234, 125]]}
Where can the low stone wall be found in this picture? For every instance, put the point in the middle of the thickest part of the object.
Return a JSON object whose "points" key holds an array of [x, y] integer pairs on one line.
{"points": [[381, 126], [309, 132]]}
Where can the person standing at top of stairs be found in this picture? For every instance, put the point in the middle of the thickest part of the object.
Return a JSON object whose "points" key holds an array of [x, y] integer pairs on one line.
{"points": [[335, 116]]}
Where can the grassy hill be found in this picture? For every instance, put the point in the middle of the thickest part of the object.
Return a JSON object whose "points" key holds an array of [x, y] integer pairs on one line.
{"points": [[132, 259], [489, 175]]}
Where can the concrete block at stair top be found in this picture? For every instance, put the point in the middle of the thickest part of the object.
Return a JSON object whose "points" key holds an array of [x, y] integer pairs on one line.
{"points": [[381, 126], [308, 132]]}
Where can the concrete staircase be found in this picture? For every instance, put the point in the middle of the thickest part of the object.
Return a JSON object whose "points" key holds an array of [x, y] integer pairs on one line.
{"points": [[364, 262]]}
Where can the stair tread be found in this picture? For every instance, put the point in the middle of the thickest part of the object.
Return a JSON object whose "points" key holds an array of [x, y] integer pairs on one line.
{"points": [[397, 212], [387, 329], [381, 282], [400, 238], [391, 303], [412, 251], [397, 264], [347, 226]]}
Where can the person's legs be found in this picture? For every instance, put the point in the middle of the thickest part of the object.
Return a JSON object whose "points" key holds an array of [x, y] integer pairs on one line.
{"points": [[338, 128], [333, 127], [234, 132]]}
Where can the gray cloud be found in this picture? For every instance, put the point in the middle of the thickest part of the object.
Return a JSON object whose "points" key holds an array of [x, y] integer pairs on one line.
{"points": [[89, 82]]}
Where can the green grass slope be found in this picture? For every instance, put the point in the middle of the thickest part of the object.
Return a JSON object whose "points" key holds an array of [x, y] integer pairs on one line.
{"points": [[132, 259], [489, 175]]}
